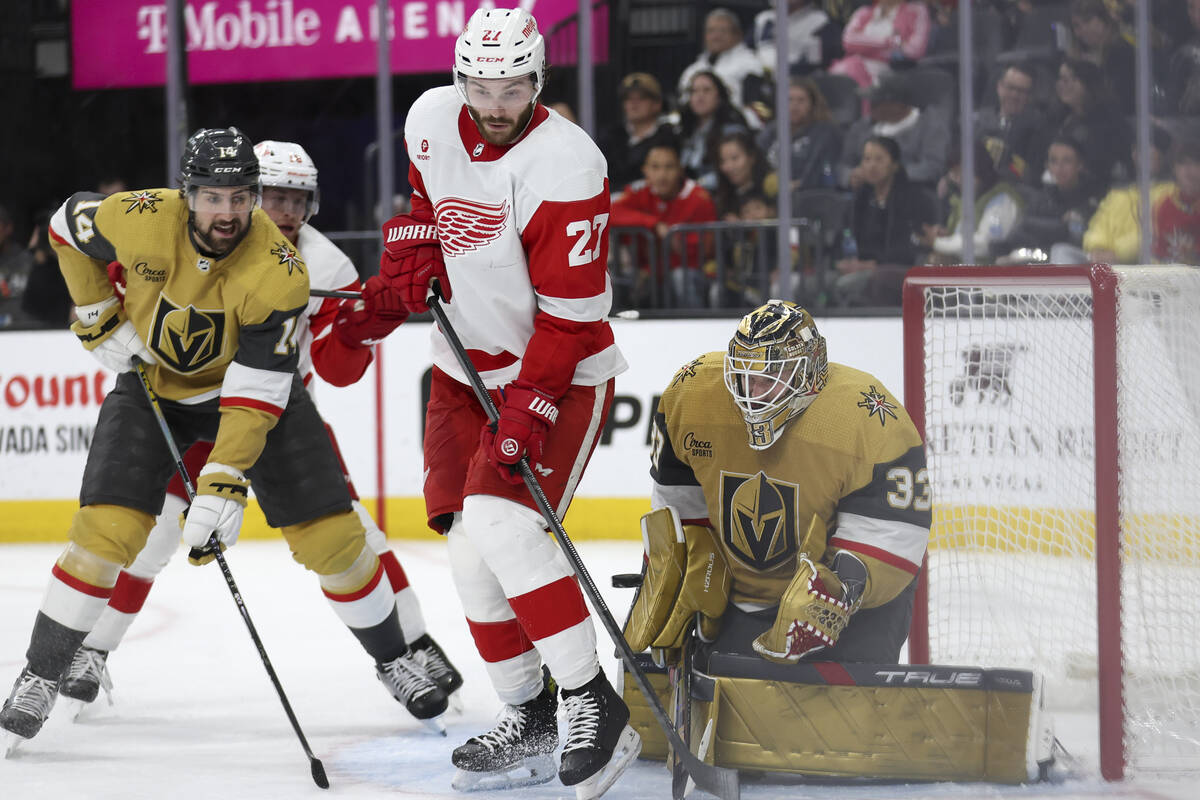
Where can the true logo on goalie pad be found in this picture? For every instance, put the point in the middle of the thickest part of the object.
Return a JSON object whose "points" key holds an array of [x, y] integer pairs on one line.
{"points": [[758, 519]]}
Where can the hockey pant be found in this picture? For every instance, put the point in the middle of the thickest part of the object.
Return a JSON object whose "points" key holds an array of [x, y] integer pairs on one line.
{"points": [[521, 599]]}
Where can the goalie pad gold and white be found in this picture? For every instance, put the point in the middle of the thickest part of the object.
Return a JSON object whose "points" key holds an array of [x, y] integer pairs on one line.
{"points": [[851, 721], [685, 575]]}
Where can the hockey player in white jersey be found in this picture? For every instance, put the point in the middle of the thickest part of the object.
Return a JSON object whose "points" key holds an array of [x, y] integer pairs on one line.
{"points": [[337, 337], [510, 209]]}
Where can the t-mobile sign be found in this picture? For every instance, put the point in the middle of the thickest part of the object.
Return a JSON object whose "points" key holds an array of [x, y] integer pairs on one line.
{"points": [[123, 43]]}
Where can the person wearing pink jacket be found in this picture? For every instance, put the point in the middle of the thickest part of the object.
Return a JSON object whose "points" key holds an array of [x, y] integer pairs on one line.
{"points": [[878, 35]]}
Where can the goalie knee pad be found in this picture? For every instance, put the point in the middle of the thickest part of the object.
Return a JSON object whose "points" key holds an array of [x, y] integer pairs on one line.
{"points": [[327, 545], [114, 533]]}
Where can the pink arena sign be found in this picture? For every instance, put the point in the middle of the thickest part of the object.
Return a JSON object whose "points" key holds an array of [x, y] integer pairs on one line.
{"points": [[122, 43]]}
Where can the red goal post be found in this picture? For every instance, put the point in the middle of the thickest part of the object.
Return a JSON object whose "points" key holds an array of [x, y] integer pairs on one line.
{"points": [[1060, 408]]}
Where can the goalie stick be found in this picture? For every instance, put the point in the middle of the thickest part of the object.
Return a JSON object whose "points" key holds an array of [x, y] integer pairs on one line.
{"points": [[318, 769], [719, 781]]}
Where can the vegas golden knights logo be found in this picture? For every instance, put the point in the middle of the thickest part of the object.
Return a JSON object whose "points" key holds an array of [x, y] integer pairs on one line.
{"points": [[186, 339], [758, 518]]}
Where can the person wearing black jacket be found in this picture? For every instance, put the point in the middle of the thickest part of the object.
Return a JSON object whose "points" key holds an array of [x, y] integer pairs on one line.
{"points": [[883, 239]]}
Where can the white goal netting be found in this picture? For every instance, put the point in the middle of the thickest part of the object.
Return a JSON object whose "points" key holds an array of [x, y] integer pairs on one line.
{"points": [[1010, 432]]}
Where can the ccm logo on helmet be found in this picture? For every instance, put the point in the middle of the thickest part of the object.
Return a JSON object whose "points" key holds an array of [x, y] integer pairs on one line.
{"points": [[489, 59]]}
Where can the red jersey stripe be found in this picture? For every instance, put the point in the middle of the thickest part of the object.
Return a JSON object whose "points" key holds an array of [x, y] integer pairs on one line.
{"points": [[80, 585], [550, 609], [499, 641]]}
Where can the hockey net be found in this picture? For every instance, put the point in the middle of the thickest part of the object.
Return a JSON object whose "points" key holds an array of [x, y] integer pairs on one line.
{"points": [[1061, 413]]}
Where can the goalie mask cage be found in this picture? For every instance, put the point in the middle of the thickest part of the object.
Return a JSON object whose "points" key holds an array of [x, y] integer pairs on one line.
{"points": [[1060, 408]]}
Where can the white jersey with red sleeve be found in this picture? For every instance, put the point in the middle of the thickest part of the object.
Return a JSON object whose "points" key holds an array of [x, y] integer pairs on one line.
{"points": [[328, 268], [523, 229]]}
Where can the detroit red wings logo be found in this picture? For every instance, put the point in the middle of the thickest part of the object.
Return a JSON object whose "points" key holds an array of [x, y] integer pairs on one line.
{"points": [[465, 225]]}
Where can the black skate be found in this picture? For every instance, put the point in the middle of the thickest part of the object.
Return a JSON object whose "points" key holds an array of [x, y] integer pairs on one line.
{"points": [[406, 679], [86, 676], [430, 655], [517, 752], [600, 742], [27, 707]]}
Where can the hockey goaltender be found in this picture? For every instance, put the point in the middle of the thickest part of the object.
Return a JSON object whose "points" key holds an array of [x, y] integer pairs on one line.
{"points": [[791, 515]]}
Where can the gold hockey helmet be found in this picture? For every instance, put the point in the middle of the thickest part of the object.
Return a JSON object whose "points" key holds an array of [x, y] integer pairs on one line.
{"points": [[775, 366]]}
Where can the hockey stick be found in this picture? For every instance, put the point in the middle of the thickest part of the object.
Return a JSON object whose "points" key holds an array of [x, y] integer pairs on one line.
{"points": [[720, 781], [318, 769]]}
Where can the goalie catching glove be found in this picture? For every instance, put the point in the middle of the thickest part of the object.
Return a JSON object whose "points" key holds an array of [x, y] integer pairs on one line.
{"points": [[526, 416], [685, 574], [108, 334], [814, 609], [216, 510], [412, 260]]}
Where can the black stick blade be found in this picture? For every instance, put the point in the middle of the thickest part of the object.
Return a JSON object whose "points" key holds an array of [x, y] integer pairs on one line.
{"points": [[318, 771]]}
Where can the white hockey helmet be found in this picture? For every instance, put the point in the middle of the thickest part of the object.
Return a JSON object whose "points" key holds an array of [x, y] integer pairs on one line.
{"points": [[500, 43], [286, 165]]}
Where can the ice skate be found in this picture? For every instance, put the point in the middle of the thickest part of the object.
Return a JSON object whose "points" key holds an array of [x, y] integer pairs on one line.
{"points": [[86, 676], [27, 707], [429, 654], [406, 679], [517, 752], [600, 743]]}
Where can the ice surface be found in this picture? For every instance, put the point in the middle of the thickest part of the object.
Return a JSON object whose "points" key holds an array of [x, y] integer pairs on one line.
{"points": [[195, 715]]}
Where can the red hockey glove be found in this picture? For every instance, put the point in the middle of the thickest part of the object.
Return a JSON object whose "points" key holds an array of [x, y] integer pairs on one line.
{"points": [[526, 416], [362, 323], [412, 260]]}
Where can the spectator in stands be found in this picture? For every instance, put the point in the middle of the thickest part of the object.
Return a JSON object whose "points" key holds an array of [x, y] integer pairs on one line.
{"points": [[742, 171], [626, 141], [1177, 215], [707, 117], [814, 40], [564, 110], [1114, 233], [750, 256], [882, 240], [666, 197], [15, 265], [922, 134], [1084, 111], [1057, 214], [998, 207], [725, 55], [1096, 37], [816, 141], [1011, 130], [1183, 70], [46, 301], [881, 35]]}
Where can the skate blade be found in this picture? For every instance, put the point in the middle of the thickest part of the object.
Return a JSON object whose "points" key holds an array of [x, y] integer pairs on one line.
{"points": [[627, 749], [435, 724], [456, 703], [529, 772]]}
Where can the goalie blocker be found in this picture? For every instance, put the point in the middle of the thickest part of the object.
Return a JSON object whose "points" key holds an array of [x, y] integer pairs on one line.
{"points": [[881, 721]]}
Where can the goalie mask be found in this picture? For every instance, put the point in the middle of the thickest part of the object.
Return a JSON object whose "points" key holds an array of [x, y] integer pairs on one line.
{"points": [[775, 366], [500, 43], [286, 165]]}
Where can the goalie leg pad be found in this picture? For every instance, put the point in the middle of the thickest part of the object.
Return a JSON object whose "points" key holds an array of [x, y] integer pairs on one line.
{"points": [[685, 574], [881, 721]]}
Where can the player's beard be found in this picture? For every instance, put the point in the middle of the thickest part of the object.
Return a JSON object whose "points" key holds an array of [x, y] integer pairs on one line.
{"points": [[227, 235], [514, 126]]}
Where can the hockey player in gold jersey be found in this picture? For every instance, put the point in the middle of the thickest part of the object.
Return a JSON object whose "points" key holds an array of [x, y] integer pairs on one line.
{"points": [[804, 482], [213, 295]]}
